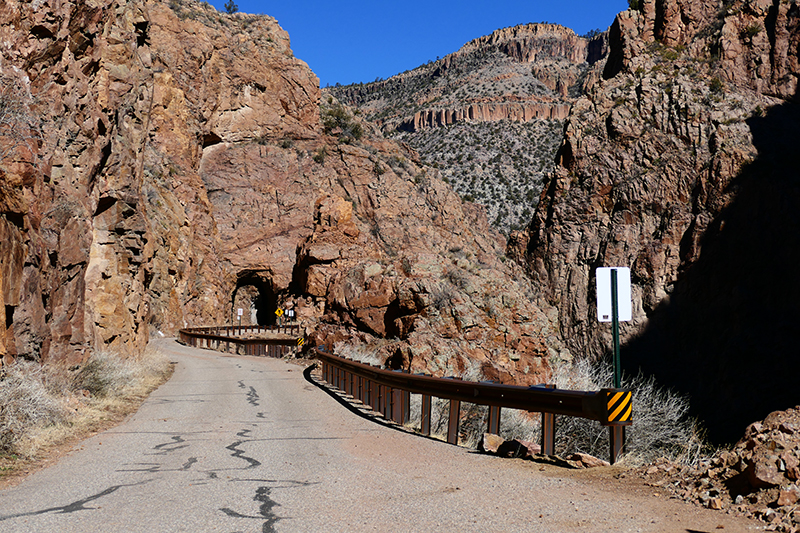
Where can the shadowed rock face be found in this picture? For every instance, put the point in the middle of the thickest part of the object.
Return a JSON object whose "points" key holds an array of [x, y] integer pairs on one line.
{"points": [[182, 172], [679, 165]]}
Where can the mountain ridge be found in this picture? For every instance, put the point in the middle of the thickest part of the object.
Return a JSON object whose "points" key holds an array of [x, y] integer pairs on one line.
{"points": [[508, 92]]}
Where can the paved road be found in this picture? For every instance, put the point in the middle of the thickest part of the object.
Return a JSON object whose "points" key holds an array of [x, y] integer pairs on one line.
{"points": [[236, 444]]}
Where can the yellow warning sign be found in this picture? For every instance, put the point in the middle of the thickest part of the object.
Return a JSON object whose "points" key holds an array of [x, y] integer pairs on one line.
{"points": [[301, 341], [279, 312], [619, 407]]}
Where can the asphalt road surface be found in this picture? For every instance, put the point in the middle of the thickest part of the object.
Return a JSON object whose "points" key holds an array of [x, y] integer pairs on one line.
{"points": [[241, 444]]}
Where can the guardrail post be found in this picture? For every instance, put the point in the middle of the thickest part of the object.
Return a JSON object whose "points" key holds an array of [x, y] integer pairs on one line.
{"points": [[493, 422], [367, 393], [618, 405], [406, 407], [453, 421], [617, 441], [387, 402], [399, 406], [425, 415], [549, 430]]}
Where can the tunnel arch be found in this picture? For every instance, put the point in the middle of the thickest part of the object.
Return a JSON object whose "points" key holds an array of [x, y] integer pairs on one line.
{"points": [[254, 293]]}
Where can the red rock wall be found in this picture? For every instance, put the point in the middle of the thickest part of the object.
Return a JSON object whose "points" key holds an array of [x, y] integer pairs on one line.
{"points": [[183, 170], [679, 165], [108, 225]]}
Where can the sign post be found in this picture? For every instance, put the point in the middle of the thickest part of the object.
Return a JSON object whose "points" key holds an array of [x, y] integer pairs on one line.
{"points": [[279, 314], [239, 313], [614, 305]]}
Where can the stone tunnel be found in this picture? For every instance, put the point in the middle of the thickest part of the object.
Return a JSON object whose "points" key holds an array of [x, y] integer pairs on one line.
{"points": [[254, 294]]}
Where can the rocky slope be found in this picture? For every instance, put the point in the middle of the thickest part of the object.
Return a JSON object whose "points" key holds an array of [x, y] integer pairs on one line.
{"points": [[180, 169], [680, 163], [758, 478], [490, 114]]}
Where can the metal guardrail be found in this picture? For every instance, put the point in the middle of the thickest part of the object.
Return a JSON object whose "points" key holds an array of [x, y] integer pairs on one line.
{"points": [[388, 392], [226, 339]]}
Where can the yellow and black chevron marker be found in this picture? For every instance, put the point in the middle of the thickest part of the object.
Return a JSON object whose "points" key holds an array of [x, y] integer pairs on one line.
{"points": [[301, 341], [619, 406]]}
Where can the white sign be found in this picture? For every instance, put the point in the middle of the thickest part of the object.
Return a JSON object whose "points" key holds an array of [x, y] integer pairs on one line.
{"points": [[239, 312], [624, 310]]}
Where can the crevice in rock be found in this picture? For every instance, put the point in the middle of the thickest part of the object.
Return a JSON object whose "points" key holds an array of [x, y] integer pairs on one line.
{"points": [[210, 139], [142, 35], [41, 32], [17, 219], [104, 204], [9, 315]]}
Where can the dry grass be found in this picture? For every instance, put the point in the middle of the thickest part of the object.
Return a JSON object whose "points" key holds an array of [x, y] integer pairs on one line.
{"points": [[661, 426], [43, 407]]}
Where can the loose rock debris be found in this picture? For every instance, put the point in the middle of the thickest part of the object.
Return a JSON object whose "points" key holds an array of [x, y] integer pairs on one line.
{"points": [[759, 478], [514, 448]]}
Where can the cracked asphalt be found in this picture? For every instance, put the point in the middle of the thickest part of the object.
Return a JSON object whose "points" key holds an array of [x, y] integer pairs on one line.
{"points": [[247, 444]]}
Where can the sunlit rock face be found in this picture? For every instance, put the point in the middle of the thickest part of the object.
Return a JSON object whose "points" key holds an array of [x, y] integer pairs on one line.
{"points": [[180, 170]]}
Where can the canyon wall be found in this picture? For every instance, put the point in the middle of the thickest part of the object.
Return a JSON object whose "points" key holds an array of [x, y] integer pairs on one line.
{"points": [[680, 165], [169, 164], [108, 230], [521, 73]]}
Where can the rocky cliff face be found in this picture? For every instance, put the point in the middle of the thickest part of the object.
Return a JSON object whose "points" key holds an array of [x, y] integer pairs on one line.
{"points": [[679, 164], [180, 170], [486, 112], [490, 114], [109, 228], [532, 66]]}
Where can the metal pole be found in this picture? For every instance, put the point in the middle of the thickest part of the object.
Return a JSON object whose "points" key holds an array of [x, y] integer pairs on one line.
{"points": [[615, 326]]}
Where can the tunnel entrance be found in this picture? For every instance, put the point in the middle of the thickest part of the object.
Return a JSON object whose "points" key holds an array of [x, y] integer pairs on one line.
{"points": [[255, 296]]}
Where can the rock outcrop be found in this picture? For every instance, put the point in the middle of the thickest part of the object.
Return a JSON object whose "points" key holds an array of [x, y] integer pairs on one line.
{"points": [[680, 165], [533, 67], [485, 112], [180, 169]]}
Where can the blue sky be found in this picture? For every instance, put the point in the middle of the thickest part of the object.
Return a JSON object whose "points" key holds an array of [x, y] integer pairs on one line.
{"points": [[358, 41]]}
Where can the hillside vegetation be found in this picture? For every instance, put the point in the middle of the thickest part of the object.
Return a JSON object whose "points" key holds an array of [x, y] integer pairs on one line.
{"points": [[491, 115]]}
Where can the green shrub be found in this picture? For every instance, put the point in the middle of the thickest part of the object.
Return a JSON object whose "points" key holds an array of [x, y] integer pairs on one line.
{"points": [[337, 121]]}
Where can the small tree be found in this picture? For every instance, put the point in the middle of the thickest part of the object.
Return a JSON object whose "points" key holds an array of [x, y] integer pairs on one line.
{"points": [[231, 7]]}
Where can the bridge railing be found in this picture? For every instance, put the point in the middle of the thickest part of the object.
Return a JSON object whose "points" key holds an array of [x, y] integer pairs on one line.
{"points": [[388, 392], [229, 339]]}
